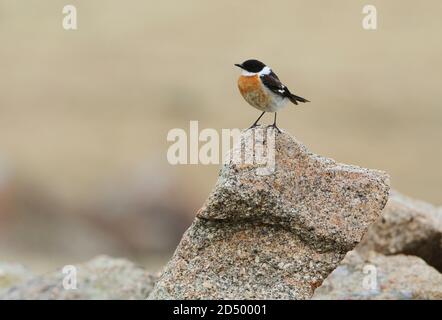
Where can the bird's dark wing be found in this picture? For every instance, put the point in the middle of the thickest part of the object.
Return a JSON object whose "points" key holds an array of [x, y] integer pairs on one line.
{"points": [[271, 82]]}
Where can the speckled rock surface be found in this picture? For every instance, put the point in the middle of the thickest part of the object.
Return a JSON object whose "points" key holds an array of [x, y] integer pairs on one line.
{"points": [[100, 278], [276, 235], [397, 277], [407, 226], [13, 274]]}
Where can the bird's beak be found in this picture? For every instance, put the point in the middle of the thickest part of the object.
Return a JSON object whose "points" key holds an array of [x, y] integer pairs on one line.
{"points": [[238, 65]]}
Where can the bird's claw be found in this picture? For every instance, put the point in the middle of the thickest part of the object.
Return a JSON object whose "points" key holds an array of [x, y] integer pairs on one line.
{"points": [[274, 127], [252, 126]]}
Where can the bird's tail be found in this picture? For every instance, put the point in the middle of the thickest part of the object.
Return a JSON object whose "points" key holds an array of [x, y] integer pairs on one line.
{"points": [[294, 98]]}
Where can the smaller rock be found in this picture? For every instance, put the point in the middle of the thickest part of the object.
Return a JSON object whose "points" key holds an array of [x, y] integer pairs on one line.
{"points": [[99, 279], [409, 227], [377, 276], [12, 274]]}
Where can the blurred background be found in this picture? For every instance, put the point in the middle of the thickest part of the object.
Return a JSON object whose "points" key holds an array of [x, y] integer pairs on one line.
{"points": [[84, 114]]}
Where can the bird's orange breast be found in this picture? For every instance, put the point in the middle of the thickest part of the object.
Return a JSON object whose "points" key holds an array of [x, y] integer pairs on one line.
{"points": [[252, 91]]}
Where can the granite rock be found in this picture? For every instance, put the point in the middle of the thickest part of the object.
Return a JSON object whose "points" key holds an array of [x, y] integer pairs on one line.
{"points": [[376, 276], [13, 274], [99, 279], [409, 227], [273, 229]]}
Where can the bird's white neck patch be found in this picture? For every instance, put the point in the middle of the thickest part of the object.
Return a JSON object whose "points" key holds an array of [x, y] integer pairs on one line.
{"points": [[265, 70]]}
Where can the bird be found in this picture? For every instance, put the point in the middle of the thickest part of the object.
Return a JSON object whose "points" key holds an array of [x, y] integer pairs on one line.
{"points": [[262, 89]]}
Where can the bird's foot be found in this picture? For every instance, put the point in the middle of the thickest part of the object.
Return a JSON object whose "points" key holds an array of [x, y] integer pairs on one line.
{"points": [[274, 127]]}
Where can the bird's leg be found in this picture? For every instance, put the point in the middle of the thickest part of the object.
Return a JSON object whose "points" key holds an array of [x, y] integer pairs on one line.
{"points": [[256, 122], [274, 124]]}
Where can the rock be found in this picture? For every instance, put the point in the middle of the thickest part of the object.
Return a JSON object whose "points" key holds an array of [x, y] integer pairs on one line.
{"points": [[395, 277], [409, 227], [12, 274], [98, 279], [273, 232]]}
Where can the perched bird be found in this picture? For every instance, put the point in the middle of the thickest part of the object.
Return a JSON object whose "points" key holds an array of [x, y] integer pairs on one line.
{"points": [[261, 88]]}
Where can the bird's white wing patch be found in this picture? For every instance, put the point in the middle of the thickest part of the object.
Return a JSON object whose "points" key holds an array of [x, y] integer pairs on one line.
{"points": [[283, 88], [265, 70]]}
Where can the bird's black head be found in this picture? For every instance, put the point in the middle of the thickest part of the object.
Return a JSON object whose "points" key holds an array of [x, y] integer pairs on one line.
{"points": [[251, 65]]}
